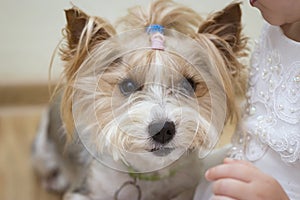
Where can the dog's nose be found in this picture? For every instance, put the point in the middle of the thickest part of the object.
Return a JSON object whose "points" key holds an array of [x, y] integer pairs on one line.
{"points": [[162, 132]]}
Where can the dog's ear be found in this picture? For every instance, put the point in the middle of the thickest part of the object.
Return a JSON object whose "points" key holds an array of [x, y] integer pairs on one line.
{"points": [[224, 30], [226, 24], [76, 21], [83, 32], [79, 25]]}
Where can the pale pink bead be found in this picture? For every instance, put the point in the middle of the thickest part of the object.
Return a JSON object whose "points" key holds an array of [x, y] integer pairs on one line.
{"points": [[157, 40]]}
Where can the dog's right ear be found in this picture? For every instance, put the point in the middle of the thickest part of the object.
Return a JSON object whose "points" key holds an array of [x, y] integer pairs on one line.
{"points": [[83, 32]]}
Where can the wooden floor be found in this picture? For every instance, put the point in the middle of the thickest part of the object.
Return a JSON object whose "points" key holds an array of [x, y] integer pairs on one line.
{"points": [[17, 130]]}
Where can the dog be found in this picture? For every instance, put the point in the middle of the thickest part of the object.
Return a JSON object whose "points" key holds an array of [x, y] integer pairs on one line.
{"points": [[140, 107]]}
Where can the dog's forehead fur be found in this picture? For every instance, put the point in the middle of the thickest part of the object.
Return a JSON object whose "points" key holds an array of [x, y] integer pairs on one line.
{"points": [[135, 58]]}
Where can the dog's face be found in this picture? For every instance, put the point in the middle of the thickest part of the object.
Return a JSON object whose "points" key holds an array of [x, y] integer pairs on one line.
{"points": [[145, 106]]}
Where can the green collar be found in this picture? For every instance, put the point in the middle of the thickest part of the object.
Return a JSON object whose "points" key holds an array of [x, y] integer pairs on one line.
{"points": [[151, 176]]}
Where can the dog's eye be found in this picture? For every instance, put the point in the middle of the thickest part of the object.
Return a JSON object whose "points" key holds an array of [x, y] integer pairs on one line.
{"points": [[189, 85], [128, 87]]}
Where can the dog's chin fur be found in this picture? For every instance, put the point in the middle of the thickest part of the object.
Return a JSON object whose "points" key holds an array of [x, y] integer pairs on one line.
{"points": [[191, 84]]}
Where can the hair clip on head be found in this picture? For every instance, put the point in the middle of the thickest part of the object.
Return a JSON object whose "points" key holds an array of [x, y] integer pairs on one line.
{"points": [[157, 38]]}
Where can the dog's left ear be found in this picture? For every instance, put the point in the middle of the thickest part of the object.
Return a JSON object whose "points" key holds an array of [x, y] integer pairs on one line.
{"points": [[224, 30], [226, 24]]}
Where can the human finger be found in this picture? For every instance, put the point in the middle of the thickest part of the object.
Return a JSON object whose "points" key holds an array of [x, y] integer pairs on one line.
{"points": [[230, 188], [221, 198], [237, 170], [230, 160]]}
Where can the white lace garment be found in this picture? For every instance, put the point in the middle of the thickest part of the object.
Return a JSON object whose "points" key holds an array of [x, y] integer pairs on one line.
{"points": [[271, 124]]}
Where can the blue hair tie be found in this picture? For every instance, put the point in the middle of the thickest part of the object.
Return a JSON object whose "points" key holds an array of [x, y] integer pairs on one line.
{"points": [[155, 28]]}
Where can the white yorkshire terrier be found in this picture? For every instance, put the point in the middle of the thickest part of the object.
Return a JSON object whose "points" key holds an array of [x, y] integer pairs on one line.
{"points": [[139, 108]]}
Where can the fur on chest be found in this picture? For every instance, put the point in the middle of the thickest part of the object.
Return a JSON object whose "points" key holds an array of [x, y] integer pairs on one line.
{"points": [[179, 179]]}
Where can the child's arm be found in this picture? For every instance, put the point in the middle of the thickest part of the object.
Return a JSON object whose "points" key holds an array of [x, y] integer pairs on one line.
{"points": [[240, 180]]}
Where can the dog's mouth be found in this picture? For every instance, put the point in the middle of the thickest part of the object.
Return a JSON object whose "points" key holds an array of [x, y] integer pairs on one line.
{"points": [[161, 151]]}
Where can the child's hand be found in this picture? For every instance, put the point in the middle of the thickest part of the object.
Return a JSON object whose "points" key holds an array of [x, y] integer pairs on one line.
{"points": [[240, 180]]}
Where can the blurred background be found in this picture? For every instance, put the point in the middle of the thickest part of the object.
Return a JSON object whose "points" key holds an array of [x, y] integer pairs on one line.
{"points": [[30, 32]]}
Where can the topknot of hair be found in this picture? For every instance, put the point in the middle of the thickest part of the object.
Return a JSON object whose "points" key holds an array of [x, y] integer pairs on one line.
{"points": [[167, 13]]}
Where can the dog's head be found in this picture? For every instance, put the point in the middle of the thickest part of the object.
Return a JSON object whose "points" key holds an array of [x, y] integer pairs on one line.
{"points": [[164, 85]]}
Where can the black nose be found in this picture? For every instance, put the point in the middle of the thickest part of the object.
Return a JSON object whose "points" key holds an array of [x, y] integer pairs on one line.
{"points": [[162, 132]]}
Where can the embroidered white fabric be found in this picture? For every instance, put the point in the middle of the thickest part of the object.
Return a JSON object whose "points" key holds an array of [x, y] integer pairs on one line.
{"points": [[272, 117]]}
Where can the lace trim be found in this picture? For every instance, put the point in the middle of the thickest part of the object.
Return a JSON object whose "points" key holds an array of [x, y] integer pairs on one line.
{"points": [[272, 117], [290, 88]]}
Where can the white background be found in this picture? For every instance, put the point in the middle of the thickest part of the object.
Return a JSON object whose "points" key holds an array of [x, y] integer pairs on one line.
{"points": [[31, 30]]}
